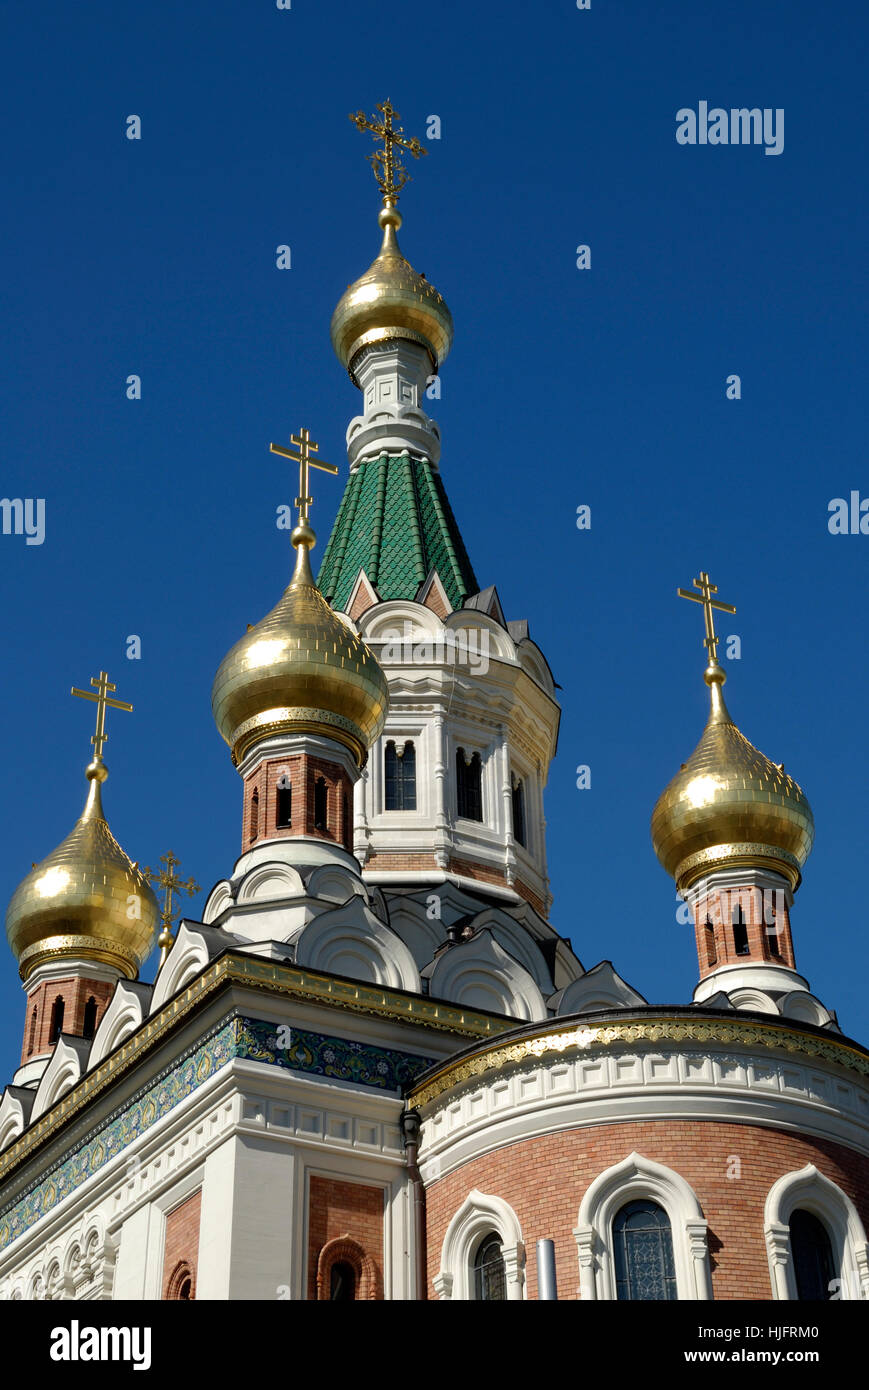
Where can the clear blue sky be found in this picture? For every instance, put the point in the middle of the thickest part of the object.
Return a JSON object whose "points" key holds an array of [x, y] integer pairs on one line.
{"points": [[604, 387]]}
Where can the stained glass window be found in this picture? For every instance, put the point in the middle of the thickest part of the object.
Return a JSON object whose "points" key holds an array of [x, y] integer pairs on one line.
{"points": [[643, 1253]]}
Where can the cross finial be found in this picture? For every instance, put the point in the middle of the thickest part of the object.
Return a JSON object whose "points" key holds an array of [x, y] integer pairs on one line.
{"points": [[168, 880], [306, 447], [391, 175], [103, 689], [704, 596]]}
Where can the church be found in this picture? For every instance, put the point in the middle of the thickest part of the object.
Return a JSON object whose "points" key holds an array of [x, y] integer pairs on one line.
{"points": [[376, 1069]]}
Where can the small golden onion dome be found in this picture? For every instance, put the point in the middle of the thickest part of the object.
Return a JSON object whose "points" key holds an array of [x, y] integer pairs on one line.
{"points": [[391, 301], [730, 805], [300, 670], [85, 900]]}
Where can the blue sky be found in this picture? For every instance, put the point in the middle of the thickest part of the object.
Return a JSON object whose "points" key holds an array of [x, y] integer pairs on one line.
{"points": [[604, 387]]}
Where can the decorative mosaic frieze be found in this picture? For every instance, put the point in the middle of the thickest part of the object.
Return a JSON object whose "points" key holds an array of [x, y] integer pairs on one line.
{"points": [[293, 1049]]}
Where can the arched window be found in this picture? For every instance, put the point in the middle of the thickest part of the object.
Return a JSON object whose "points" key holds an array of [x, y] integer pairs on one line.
{"points": [[711, 956], [643, 1252], [342, 1283], [32, 1043], [770, 927], [56, 1020], [518, 796], [180, 1287], [469, 792], [254, 815], [740, 932], [90, 1018], [812, 1252], [490, 1276], [400, 777], [320, 822], [285, 803]]}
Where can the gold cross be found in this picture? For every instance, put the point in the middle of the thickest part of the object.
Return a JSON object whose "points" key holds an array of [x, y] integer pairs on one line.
{"points": [[705, 597], [306, 446], [389, 173], [168, 880], [104, 686]]}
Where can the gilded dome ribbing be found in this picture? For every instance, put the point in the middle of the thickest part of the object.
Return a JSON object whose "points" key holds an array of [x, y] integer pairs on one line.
{"points": [[85, 900], [300, 669], [730, 804], [391, 301]]}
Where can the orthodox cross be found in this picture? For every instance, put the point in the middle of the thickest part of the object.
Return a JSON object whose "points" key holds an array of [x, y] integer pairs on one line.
{"points": [[103, 688], [306, 447], [168, 880], [706, 590], [390, 174]]}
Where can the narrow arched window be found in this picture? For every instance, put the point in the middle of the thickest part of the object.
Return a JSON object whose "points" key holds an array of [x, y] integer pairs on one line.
{"points": [[711, 956], [180, 1287], [56, 1020], [254, 815], [342, 1283], [517, 792], [320, 804], [770, 928], [643, 1253], [32, 1043], [400, 777], [89, 1026], [490, 1277], [469, 791], [812, 1253], [740, 932], [285, 803]]}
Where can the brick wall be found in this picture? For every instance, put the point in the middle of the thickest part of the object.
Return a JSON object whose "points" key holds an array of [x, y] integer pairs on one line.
{"points": [[181, 1250], [715, 941], [544, 1180], [350, 1214], [75, 994], [260, 815]]}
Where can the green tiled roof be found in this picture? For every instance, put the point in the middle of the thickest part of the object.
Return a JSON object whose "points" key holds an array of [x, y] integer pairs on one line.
{"points": [[396, 523]]}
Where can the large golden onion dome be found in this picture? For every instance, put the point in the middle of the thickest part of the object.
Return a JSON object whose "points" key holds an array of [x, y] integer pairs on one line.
{"points": [[730, 805], [300, 669], [391, 301], [85, 900]]}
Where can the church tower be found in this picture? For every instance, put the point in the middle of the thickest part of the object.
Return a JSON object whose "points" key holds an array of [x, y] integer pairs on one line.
{"points": [[453, 792], [734, 831], [82, 919]]}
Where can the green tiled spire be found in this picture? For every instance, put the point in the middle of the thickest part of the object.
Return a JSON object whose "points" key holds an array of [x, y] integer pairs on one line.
{"points": [[396, 523]]}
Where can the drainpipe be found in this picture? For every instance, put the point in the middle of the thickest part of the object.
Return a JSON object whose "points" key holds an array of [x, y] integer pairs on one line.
{"points": [[410, 1127]]}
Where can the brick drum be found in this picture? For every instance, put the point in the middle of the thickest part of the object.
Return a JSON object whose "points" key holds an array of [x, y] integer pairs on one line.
{"points": [[544, 1180], [75, 994], [182, 1244], [340, 1210]]}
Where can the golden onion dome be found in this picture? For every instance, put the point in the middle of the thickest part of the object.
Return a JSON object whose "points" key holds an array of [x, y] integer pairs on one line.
{"points": [[730, 805], [300, 669], [85, 900], [391, 301]]}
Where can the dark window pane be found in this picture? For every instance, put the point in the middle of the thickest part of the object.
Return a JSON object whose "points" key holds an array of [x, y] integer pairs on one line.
{"points": [[285, 804], [320, 804], [490, 1279], [400, 778], [519, 813], [342, 1283], [90, 1018], [643, 1253], [469, 793], [812, 1255]]}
